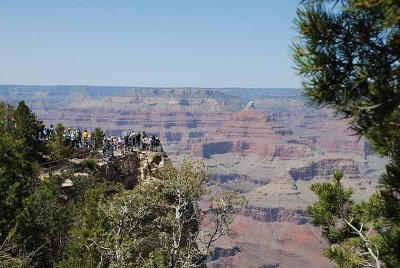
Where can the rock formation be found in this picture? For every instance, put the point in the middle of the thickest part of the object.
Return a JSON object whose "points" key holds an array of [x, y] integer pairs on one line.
{"points": [[251, 132], [133, 167]]}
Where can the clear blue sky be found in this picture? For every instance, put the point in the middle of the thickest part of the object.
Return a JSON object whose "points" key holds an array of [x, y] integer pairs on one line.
{"points": [[200, 43]]}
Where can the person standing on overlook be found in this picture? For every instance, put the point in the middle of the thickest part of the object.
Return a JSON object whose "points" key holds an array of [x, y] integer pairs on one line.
{"points": [[85, 136], [41, 130], [78, 138]]}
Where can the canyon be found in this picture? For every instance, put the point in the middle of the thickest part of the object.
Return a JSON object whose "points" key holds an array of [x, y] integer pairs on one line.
{"points": [[268, 144]]}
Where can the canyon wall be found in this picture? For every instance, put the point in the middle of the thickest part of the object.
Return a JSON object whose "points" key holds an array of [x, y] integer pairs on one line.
{"points": [[265, 143]]}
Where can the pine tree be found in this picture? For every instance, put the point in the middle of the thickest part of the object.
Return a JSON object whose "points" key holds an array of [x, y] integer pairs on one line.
{"points": [[348, 55], [42, 226], [17, 172], [26, 129], [58, 146], [97, 137]]}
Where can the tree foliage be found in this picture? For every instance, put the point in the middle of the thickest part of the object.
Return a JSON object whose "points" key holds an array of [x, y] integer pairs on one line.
{"points": [[345, 225], [26, 129], [348, 54], [97, 137], [59, 148], [42, 226], [17, 171], [156, 224]]}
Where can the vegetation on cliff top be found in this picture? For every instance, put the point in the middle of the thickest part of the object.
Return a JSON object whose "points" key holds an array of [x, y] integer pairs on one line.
{"points": [[99, 223]]}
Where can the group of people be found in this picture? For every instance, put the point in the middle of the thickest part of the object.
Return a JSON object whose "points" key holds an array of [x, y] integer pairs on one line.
{"points": [[45, 133], [129, 140], [77, 138]]}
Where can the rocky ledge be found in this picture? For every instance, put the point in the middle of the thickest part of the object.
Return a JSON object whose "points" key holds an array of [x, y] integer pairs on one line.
{"points": [[133, 167]]}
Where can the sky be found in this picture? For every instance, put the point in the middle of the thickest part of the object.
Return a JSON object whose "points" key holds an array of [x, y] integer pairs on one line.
{"points": [[149, 43]]}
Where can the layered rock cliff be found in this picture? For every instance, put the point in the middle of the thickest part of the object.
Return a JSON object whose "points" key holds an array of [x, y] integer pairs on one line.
{"points": [[325, 169], [277, 214], [251, 132]]}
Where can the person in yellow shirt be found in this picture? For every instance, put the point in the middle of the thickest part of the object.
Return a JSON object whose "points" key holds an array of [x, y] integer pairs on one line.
{"points": [[85, 136]]}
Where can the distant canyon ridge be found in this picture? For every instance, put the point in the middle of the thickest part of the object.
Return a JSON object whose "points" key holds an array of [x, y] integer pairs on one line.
{"points": [[266, 143]]}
